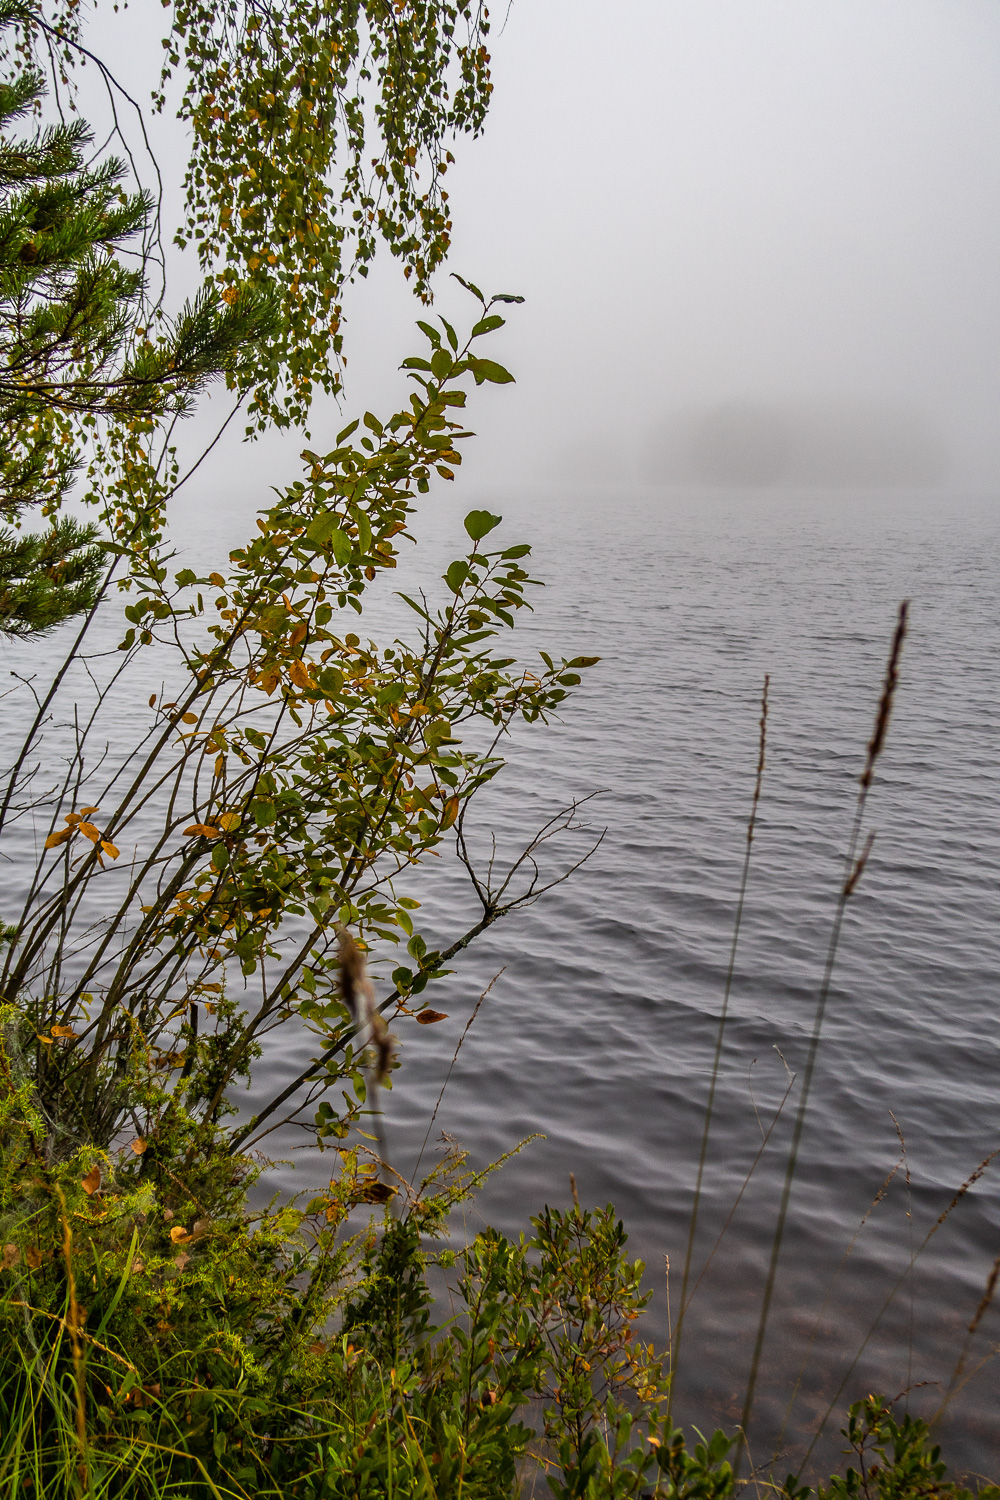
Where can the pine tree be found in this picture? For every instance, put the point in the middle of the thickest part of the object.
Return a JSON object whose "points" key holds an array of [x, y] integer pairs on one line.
{"points": [[73, 349]]}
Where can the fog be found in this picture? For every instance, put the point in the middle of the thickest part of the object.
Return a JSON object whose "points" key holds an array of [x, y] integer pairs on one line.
{"points": [[788, 208]]}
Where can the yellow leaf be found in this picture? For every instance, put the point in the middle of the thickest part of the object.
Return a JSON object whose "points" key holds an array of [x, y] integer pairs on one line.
{"points": [[46, 1039], [89, 832], [72, 819], [109, 849], [59, 838], [86, 811], [92, 1181], [228, 822], [179, 1234], [428, 1017], [139, 1145], [63, 1031], [268, 679], [450, 812], [204, 830], [217, 579], [299, 633], [189, 718], [299, 674]]}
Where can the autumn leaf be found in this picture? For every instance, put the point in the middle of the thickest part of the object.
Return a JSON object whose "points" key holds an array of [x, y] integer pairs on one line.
{"points": [[204, 830], [46, 1039], [59, 837], [189, 718], [300, 675], [66, 1031], [89, 832], [228, 822], [179, 1234], [85, 812], [33, 1256], [450, 812], [268, 679], [428, 1017], [109, 849], [139, 1145], [11, 1257], [376, 1192], [92, 1181]]}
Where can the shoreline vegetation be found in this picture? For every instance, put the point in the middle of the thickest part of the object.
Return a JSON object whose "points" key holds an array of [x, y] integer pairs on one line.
{"points": [[248, 862]]}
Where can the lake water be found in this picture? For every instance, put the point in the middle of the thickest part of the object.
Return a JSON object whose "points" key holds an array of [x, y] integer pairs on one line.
{"points": [[599, 1032]]}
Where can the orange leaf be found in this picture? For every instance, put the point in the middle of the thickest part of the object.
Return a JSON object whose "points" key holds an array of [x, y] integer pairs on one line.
{"points": [[71, 818], [109, 849], [204, 830], [139, 1145], [152, 700], [268, 679], [46, 1039], [189, 718], [299, 674], [178, 1234], [60, 837], [299, 633], [63, 1031], [92, 1181], [86, 811], [89, 832], [428, 1017], [217, 579]]}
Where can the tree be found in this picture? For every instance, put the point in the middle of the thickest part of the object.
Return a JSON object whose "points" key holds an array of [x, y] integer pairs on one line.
{"points": [[72, 351], [282, 206], [249, 861]]}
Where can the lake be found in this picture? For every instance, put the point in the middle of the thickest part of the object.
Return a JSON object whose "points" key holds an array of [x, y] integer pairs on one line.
{"points": [[598, 1034]]}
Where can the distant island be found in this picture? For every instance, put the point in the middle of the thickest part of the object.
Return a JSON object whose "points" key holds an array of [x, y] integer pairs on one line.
{"points": [[814, 444]]}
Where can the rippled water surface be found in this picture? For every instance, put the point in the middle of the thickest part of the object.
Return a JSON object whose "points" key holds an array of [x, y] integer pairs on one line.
{"points": [[599, 1032]]}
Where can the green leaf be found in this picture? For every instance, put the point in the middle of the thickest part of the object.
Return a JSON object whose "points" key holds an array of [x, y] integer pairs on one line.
{"points": [[456, 576], [487, 325], [441, 363], [488, 369], [478, 523], [507, 297], [325, 532], [470, 286], [185, 577]]}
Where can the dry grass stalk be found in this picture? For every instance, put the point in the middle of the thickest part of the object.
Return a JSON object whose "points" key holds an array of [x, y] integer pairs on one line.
{"points": [[889, 686], [359, 997], [720, 1034]]}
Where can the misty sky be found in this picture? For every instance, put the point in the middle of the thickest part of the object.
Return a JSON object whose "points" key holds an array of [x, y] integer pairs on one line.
{"points": [[714, 199]]}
